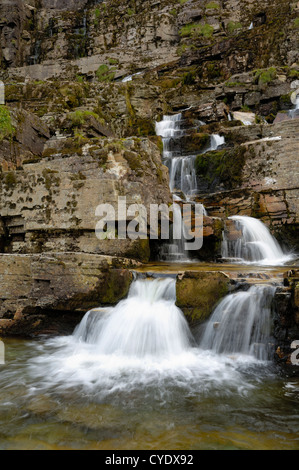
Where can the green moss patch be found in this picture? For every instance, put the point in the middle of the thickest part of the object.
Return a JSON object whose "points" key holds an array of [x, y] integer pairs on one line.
{"points": [[233, 27], [266, 76], [196, 30], [105, 73], [6, 128], [213, 6], [221, 167]]}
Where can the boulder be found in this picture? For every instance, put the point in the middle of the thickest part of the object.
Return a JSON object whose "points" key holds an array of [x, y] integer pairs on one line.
{"points": [[49, 292], [199, 292]]}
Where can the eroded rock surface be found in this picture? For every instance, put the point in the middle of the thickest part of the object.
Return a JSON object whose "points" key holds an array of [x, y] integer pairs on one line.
{"points": [[73, 134]]}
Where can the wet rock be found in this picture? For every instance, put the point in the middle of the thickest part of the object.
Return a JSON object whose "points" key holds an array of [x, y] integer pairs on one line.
{"points": [[286, 322], [50, 293], [198, 293]]}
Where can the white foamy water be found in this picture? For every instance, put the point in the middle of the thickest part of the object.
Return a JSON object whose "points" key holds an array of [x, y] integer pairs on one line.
{"points": [[142, 345], [182, 175], [257, 245], [241, 323], [294, 112], [216, 141]]}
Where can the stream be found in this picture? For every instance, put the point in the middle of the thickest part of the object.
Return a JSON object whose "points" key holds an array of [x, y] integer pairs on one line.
{"points": [[134, 376]]}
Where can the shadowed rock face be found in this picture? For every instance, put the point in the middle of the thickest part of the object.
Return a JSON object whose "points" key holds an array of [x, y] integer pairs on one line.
{"points": [[41, 293]]}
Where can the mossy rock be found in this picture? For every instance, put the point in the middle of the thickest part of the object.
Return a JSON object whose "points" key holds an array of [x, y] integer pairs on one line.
{"points": [[199, 292], [140, 250], [221, 167], [6, 128], [116, 286], [140, 127], [196, 142]]}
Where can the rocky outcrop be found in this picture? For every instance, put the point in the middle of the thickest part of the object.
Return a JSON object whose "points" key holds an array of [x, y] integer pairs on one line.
{"points": [[74, 135], [286, 322], [49, 203], [50, 293], [198, 293], [260, 181]]}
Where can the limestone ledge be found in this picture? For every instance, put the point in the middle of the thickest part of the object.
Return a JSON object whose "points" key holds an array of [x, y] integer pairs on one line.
{"points": [[42, 293]]}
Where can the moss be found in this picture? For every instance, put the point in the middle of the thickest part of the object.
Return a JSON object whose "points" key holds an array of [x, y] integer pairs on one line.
{"points": [[50, 178], [6, 128], [116, 286], [130, 108], [293, 73], [230, 84], [113, 61], [105, 73], [73, 94], [169, 83], [33, 159], [285, 100], [233, 26], [49, 152], [221, 167], [10, 180], [78, 117], [188, 78], [141, 250], [197, 294], [135, 162], [157, 139], [182, 48], [144, 127], [265, 76], [296, 23], [212, 70], [195, 30], [213, 6], [196, 142], [78, 177]]}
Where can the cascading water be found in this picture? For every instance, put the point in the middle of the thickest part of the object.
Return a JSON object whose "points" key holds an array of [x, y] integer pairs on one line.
{"points": [[143, 347], [146, 324], [216, 141], [256, 245], [295, 111], [241, 323], [170, 130], [182, 176]]}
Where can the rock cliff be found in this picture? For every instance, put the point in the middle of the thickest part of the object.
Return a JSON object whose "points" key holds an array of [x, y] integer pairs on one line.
{"points": [[85, 82]]}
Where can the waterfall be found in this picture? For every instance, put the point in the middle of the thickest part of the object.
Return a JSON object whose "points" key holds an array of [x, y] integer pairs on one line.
{"points": [[241, 323], [182, 176], [170, 130], [146, 324], [143, 348], [181, 167], [256, 244], [129, 78], [295, 111], [35, 58], [216, 141]]}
